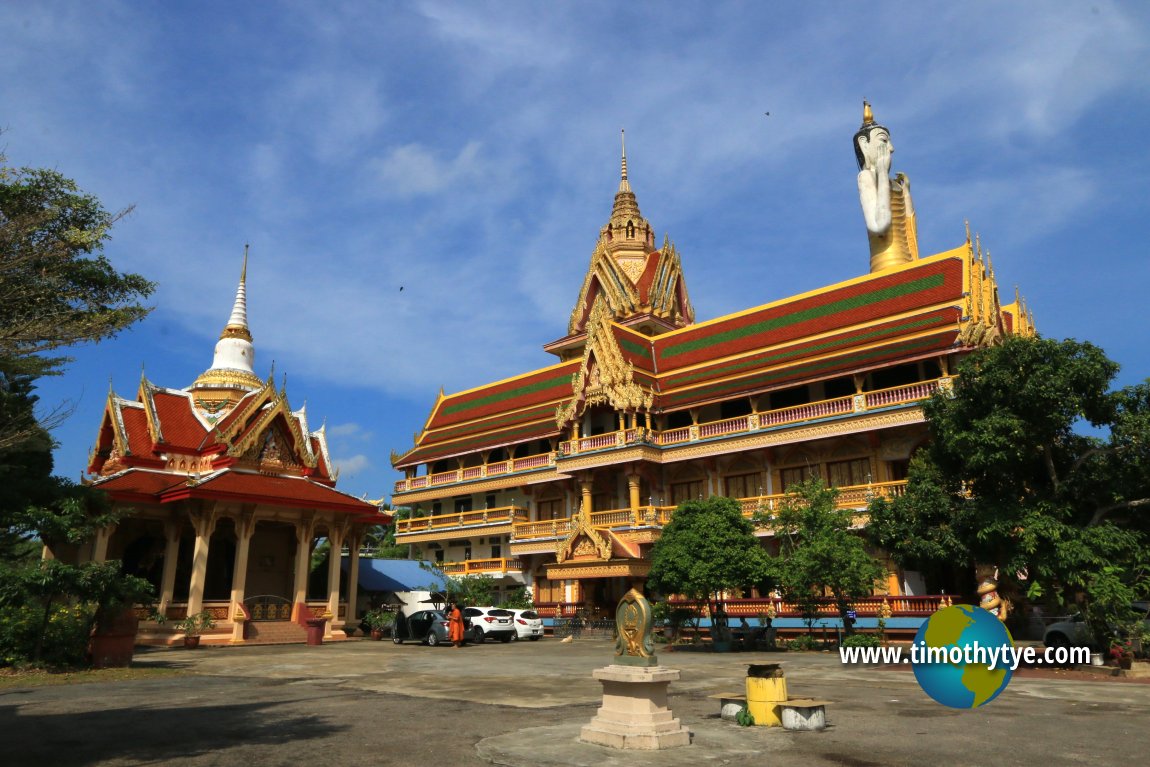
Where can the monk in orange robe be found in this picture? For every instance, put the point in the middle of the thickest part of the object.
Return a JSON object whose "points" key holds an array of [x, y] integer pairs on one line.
{"points": [[455, 627]]}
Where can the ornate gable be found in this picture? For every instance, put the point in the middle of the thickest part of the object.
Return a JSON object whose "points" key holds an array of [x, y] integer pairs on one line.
{"points": [[265, 432], [584, 542], [605, 376]]}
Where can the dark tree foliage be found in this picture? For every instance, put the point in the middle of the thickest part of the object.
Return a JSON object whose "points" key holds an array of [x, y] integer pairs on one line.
{"points": [[1013, 478]]}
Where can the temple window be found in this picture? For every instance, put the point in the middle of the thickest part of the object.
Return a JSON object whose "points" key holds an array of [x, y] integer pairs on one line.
{"points": [[798, 395], [686, 491], [630, 230], [734, 408], [463, 504], [797, 474], [742, 485], [846, 473], [838, 387]]}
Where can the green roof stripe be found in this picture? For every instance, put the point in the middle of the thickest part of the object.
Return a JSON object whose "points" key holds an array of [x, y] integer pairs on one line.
{"points": [[805, 315], [805, 350], [433, 451], [519, 391], [530, 414], [703, 391], [635, 348]]}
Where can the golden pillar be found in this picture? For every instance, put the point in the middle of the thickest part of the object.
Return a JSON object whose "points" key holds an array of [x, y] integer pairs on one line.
{"points": [[352, 577], [335, 538], [171, 557], [304, 533], [204, 523], [245, 528]]}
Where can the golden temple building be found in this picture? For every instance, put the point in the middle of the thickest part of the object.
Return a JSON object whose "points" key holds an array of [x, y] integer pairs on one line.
{"points": [[227, 491], [562, 478]]}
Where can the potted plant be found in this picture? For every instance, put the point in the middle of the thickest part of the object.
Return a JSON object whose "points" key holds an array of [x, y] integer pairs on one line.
{"points": [[116, 619], [379, 621], [194, 625]]}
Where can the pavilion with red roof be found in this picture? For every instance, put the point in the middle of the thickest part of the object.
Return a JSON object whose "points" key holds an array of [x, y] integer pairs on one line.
{"points": [[227, 491]]}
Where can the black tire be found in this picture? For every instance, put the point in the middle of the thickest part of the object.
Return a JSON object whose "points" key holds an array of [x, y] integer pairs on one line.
{"points": [[396, 640], [478, 636], [432, 639], [515, 637]]}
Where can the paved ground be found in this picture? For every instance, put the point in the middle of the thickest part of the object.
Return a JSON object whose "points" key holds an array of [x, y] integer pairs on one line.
{"points": [[374, 703]]}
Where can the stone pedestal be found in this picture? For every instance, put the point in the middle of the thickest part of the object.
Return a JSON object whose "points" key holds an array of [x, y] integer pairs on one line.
{"points": [[634, 714]]}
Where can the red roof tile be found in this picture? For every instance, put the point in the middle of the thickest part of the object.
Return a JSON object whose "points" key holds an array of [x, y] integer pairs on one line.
{"points": [[276, 491]]}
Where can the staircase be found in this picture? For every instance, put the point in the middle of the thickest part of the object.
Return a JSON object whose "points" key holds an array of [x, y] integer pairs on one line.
{"points": [[275, 632]]}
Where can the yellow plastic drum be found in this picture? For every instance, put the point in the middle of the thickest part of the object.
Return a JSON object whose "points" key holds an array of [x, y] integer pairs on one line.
{"points": [[766, 689]]}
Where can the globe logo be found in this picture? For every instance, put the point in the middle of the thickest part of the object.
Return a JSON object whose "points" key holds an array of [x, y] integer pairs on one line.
{"points": [[951, 656]]}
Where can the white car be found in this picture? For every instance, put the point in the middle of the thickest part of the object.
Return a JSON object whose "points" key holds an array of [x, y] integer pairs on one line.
{"points": [[528, 625], [490, 623]]}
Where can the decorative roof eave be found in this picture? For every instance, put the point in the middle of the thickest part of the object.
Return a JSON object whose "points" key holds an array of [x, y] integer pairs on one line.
{"points": [[442, 452]]}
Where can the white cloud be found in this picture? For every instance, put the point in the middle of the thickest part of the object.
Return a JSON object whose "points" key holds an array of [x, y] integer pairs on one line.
{"points": [[348, 431], [350, 467], [413, 170]]}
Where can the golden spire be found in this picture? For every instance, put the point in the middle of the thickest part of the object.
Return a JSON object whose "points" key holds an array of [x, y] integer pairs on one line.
{"points": [[868, 115], [623, 142]]}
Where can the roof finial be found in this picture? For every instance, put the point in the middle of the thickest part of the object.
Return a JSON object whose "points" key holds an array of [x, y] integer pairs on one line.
{"points": [[868, 115], [244, 271], [623, 141]]}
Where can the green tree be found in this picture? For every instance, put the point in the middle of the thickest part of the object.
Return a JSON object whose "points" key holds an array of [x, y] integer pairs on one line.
{"points": [[819, 552], [1011, 478], [57, 289], [706, 549]]}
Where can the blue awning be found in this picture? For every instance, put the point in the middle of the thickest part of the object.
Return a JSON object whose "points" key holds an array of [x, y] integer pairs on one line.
{"points": [[396, 575]]}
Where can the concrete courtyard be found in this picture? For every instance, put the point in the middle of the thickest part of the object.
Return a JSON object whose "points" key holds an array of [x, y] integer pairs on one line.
{"points": [[375, 703]]}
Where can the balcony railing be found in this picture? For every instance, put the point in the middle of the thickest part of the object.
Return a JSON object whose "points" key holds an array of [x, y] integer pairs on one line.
{"points": [[471, 473], [484, 517], [612, 519], [898, 605], [728, 427], [849, 497], [481, 566]]}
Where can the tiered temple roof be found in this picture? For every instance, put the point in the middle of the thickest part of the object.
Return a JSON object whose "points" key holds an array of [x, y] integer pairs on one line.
{"points": [[941, 304], [230, 436]]}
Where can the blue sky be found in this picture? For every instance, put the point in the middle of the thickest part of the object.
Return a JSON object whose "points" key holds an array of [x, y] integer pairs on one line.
{"points": [[469, 152]]}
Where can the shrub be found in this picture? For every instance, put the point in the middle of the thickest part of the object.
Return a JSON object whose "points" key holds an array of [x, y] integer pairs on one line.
{"points": [[862, 640], [804, 642], [65, 640]]}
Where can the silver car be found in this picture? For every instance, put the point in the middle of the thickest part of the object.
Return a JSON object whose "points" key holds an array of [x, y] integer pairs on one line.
{"points": [[1074, 632]]}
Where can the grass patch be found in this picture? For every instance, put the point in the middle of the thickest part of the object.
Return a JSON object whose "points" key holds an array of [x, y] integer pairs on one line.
{"points": [[14, 679]]}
